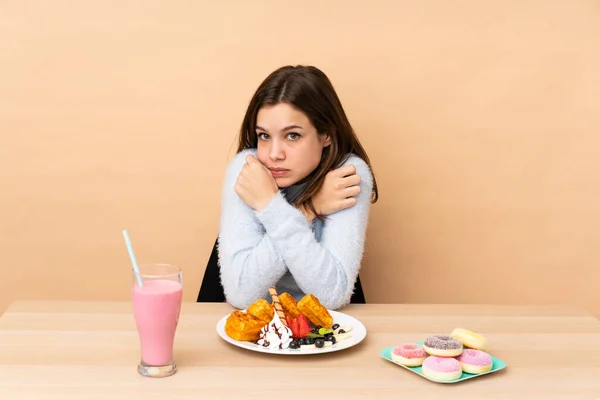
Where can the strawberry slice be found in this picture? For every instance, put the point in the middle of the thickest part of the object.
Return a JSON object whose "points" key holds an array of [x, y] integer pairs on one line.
{"points": [[303, 325], [294, 328]]}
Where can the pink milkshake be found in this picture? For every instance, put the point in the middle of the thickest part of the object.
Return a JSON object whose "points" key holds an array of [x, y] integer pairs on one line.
{"points": [[156, 308]]}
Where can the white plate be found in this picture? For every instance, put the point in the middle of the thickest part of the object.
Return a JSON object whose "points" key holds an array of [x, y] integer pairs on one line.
{"points": [[358, 333]]}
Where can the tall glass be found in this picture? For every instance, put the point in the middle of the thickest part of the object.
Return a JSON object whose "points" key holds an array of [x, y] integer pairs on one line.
{"points": [[156, 307]]}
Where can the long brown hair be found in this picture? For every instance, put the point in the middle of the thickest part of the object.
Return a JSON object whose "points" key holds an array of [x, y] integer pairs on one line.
{"points": [[309, 90]]}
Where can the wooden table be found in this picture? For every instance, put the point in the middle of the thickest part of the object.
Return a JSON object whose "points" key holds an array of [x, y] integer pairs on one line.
{"points": [[89, 350]]}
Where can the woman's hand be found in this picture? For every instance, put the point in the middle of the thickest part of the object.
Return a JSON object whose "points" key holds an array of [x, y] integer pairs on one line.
{"points": [[255, 184], [337, 192]]}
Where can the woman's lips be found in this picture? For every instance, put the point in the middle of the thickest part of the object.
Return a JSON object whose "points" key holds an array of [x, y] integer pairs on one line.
{"points": [[278, 172]]}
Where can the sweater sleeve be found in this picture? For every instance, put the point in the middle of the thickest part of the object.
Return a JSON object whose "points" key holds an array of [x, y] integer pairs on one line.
{"points": [[249, 261], [327, 269]]}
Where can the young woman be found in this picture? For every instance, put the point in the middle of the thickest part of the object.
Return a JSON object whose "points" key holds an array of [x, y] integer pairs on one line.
{"points": [[297, 195]]}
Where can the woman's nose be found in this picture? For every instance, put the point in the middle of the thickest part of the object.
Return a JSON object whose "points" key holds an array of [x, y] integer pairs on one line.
{"points": [[276, 152]]}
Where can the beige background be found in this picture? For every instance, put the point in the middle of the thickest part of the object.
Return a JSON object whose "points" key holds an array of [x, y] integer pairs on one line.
{"points": [[481, 119]]}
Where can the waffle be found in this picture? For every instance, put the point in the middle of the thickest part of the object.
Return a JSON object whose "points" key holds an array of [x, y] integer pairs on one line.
{"points": [[262, 310], [316, 313], [246, 326], [243, 326], [289, 305]]}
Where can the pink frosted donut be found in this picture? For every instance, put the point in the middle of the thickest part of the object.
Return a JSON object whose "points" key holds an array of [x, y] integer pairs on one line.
{"points": [[441, 369], [475, 361], [409, 354]]}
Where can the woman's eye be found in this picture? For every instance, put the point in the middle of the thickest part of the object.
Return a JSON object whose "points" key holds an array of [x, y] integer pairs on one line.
{"points": [[293, 136], [263, 136]]}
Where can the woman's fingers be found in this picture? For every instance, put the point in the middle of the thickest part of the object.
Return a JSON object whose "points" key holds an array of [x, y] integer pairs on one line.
{"points": [[347, 203], [346, 170], [351, 180], [352, 191]]}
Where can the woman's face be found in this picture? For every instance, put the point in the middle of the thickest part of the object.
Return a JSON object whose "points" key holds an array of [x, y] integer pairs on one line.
{"points": [[288, 144]]}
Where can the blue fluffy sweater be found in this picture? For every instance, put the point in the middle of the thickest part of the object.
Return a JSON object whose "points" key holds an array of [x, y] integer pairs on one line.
{"points": [[278, 246]]}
